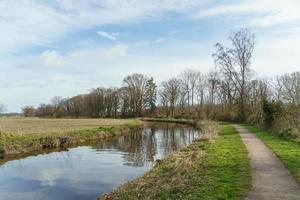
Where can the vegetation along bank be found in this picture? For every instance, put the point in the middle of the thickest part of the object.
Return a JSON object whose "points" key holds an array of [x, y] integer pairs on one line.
{"points": [[215, 166], [14, 143]]}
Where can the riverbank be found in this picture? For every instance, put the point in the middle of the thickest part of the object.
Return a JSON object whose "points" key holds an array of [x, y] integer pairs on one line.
{"points": [[198, 124], [287, 150], [13, 144], [215, 166], [167, 120]]}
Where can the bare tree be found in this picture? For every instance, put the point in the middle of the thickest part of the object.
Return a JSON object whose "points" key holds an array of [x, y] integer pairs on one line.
{"points": [[234, 64], [136, 84], [29, 111], [163, 97], [212, 83], [170, 91], [189, 80], [288, 87], [258, 95], [288, 90], [57, 103], [185, 88]]}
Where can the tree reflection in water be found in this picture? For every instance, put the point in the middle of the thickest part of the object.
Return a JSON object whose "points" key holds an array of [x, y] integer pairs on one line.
{"points": [[143, 147], [86, 171]]}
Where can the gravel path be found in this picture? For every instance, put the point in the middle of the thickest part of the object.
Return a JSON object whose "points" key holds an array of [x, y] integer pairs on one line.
{"points": [[271, 180]]}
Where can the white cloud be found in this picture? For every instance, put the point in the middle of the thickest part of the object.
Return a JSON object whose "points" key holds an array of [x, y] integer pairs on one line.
{"points": [[262, 12], [159, 40], [26, 23], [228, 9], [116, 51], [78, 58], [30, 22], [148, 43], [106, 35], [52, 59], [33, 23], [277, 55], [84, 69]]}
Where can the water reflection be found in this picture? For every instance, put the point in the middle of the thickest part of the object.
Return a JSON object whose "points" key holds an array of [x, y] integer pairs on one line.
{"points": [[144, 147], [87, 171]]}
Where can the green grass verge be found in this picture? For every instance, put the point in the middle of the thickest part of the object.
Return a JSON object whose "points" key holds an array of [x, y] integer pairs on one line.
{"points": [[226, 167], [287, 150], [217, 169]]}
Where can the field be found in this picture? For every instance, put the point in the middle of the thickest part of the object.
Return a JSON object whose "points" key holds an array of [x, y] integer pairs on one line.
{"points": [[25, 135], [22, 126]]}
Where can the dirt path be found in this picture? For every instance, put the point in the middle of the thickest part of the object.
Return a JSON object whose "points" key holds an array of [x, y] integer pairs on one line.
{"points": [[271, 180]]}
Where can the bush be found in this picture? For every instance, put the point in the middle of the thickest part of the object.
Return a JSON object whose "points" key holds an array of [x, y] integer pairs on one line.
{"points": [[271, 110]]}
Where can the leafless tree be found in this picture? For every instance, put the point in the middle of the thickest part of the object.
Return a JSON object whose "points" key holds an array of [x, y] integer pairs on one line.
{"points": [[288, 91], [234, 63], [288, 87], [170, 91], [201, 88], [136, 85], [189, 80], [29, 111], [213, 82]]}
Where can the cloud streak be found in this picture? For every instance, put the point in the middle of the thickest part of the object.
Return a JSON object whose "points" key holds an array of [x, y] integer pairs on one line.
{"points": [[261, 13], [107, 35]]}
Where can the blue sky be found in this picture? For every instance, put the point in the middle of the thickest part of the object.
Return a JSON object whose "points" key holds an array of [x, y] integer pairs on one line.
{"points": [[65, 47]]}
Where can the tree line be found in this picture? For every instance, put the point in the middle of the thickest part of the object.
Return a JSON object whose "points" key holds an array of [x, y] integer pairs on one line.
{"points": [[136, 97], [230, 91]]}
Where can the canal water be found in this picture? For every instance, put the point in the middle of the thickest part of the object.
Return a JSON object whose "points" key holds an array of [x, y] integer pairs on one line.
{"points": [[86, 172]]}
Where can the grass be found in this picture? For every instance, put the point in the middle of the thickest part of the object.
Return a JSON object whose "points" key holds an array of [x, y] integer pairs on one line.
{"points": [[49, 133], [217, 169], [287, 150], [168, 120], [21, 126]]}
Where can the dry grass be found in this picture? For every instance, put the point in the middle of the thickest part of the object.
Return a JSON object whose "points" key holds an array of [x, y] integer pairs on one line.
{"points": [[175, 177], [28, 135], [23, 126], [210, 168]]}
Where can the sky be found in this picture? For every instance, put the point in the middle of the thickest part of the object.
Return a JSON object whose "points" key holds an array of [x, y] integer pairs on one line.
{"points": [[66, 47]]}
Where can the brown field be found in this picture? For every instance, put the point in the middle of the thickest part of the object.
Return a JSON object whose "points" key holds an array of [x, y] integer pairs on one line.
{"points": [[23, 126]]}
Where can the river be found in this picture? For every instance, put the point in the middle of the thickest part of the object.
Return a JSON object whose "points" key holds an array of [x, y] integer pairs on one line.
{"points": [[85, 172]]}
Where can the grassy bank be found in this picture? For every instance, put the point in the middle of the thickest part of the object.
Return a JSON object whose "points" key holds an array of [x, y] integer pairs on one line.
{"points": [[287, 150], [195, 123], [13, 143], [207, 169], [167, 120]]}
